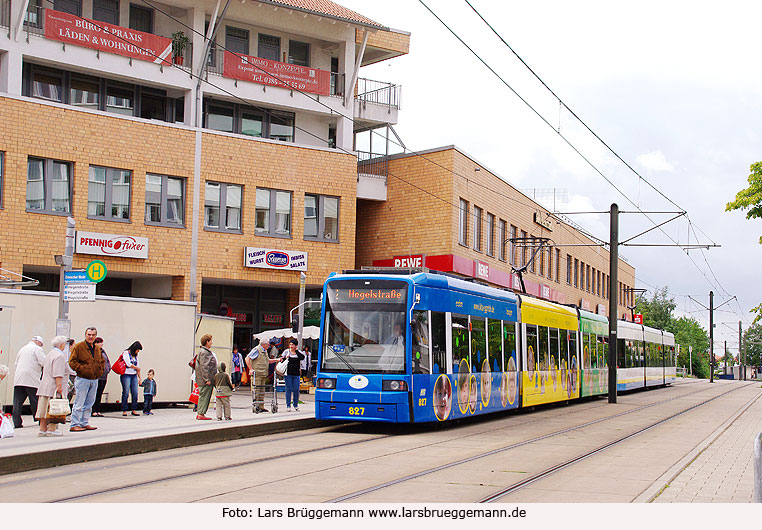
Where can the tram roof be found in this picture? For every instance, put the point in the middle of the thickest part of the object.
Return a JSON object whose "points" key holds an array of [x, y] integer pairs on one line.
{"points": [[629, 330], [448, 282]]}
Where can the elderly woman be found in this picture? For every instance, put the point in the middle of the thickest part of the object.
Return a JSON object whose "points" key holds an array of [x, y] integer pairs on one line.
{"points": [[54, 371]]}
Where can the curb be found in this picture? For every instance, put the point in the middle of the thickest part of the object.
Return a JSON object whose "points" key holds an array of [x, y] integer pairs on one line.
{"points": [[76, 455]]}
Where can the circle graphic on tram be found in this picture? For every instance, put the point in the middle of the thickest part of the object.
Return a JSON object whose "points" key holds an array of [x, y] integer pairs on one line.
{"points": [[486, 383], [442, 397], [463, 373], [512, 386], [472, 395]]}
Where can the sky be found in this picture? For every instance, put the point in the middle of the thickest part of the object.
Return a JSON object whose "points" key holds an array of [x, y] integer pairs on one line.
{"points": [[674, 88]]}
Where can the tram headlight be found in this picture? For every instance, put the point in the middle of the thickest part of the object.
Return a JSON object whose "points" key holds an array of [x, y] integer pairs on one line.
{"points": [[394, 386], [328, 384]]}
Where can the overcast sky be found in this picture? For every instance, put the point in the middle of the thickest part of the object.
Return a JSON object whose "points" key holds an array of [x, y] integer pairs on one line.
{"points": [[673, 87]]}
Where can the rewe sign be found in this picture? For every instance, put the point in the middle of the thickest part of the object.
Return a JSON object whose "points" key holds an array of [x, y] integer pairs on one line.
{"points": [[408, 261]]}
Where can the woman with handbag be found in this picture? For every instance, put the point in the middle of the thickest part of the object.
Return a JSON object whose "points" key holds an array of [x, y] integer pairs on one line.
{"points": [[131, 377], [293, 372], [51, 389]]}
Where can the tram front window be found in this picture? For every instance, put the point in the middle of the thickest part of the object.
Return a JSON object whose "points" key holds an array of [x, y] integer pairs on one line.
{"points": [[365, 328]]}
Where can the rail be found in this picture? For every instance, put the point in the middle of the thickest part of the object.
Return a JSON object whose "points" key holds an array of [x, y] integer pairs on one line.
{"points": [[378, 92], [372, 165], [758, 468], [5, 14]]}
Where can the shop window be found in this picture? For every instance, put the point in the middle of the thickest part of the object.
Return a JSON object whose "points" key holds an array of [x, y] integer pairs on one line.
{"points": [[141, 18], [108, 193], [272, 216], [106, 11], [463, 223], [48, 186], [490, 234], [477, 228], [298, 53], [165, 200], [222, 207], [321, 218], [268, 47], [237, 40], [501, 237]]}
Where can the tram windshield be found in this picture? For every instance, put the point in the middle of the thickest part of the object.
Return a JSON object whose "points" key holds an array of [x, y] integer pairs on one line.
{"points": [[364, 329]]}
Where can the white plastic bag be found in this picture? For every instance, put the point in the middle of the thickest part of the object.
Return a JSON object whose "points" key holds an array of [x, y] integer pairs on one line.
{"points": [[281, 367], [6, 427]]}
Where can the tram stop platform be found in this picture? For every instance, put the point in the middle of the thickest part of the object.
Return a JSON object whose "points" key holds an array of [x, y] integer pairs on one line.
{"points": [[166, 428]]}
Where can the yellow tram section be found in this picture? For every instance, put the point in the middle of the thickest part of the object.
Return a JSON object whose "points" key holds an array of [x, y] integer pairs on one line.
{"points": [[552, 379]]}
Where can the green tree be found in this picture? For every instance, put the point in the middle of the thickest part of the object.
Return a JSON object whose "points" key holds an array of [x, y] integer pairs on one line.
{"points": [[689, 334], [657, 312], [750, 200], [752, 339]]}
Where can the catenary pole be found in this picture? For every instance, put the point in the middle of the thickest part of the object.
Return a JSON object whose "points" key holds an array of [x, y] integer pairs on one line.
{"points": [[613, 279], [741, 356], [63, 324], [711, 336]]}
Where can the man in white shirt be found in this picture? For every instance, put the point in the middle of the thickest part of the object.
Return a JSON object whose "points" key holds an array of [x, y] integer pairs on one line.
{"points": [[26, 379]]}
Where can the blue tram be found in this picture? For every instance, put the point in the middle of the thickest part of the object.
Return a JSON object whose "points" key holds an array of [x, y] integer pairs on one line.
{"points": [[427, 347]]}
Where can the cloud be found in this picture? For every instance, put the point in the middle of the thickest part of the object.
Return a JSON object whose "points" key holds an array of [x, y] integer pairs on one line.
{"points": [[654, 162]]}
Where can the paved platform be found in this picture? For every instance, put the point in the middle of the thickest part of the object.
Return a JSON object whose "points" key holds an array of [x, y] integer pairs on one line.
{"points": [[167, 428]]}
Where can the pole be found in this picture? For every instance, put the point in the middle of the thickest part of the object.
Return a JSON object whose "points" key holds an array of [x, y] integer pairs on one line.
{"points": [[63, 324], [741, 360], [302, 286], [690, 360], [758, 468], [613, 278], [711, 336]]}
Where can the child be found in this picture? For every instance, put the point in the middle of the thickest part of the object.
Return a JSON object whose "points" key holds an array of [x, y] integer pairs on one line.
{"points": [[224, 388], [149, 392]]}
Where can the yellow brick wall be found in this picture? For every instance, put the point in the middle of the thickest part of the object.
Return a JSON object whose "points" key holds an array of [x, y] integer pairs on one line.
{"points": [[42, 130], [414, 219]]}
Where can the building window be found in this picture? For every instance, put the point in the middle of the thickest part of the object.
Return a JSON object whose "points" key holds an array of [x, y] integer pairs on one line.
{"points": [[240, 119], [587, 280], [490, 234], [84, 92], [106, 11], [72, 7], [165, 200], [550, 263], [2, 174], [298, 53], [598, 282], [141, 18], [524, 241], [321, 218], [48, 186], [108, 193], [558, 265], [47, 84], [569, 269], [576, 272], [222, 207], [514, 234], [237, 40], [272, 216], [477, 228], [463, 223], [269, 47], [582, 275], [501, 235], [531, 255]]}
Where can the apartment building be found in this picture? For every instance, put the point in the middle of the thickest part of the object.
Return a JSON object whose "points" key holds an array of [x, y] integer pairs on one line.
{"points": [[448, 212], [204, 149]]}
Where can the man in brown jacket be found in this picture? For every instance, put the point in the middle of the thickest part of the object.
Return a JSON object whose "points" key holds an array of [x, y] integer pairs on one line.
{"points": [[86, 360]]}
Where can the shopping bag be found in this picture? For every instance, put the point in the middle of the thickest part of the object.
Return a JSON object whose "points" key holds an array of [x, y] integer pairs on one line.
{"points": [[244, 377], [281, 367], [192, 362], [6, 427], [119, 366], [194, 395], [58, 407]]}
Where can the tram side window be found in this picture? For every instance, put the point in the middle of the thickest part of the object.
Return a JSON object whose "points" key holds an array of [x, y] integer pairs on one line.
{"points": [[438, 342], [479, 345], [603, 351], [421, 342], [553, 349], [532, 348], [495, 338], [563, 359], [542, 338], [460, 360], [510, 359], [641, 352], [586, 351], [621, 361]]}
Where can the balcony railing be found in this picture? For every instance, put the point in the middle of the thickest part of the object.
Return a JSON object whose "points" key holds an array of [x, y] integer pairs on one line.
{"points": [[5, 13], [372, 164], [337, 84], [378, 92]]}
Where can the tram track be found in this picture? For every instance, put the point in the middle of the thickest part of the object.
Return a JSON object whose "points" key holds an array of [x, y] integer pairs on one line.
{"points": [[548, 471], [253, 461]]}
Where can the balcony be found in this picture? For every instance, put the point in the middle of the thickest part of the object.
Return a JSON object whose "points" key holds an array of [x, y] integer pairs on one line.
{"points": [[378, 93], [372, 172], [70, 29]]}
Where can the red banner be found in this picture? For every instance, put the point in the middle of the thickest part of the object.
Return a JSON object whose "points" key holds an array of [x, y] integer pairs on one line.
{"points": [[107, 37], [274, 73]]}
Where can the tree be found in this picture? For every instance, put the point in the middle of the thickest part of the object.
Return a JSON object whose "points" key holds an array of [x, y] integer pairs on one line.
{"points": [[657, 312], [750, 199], [752, 339], [689, 333]]}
